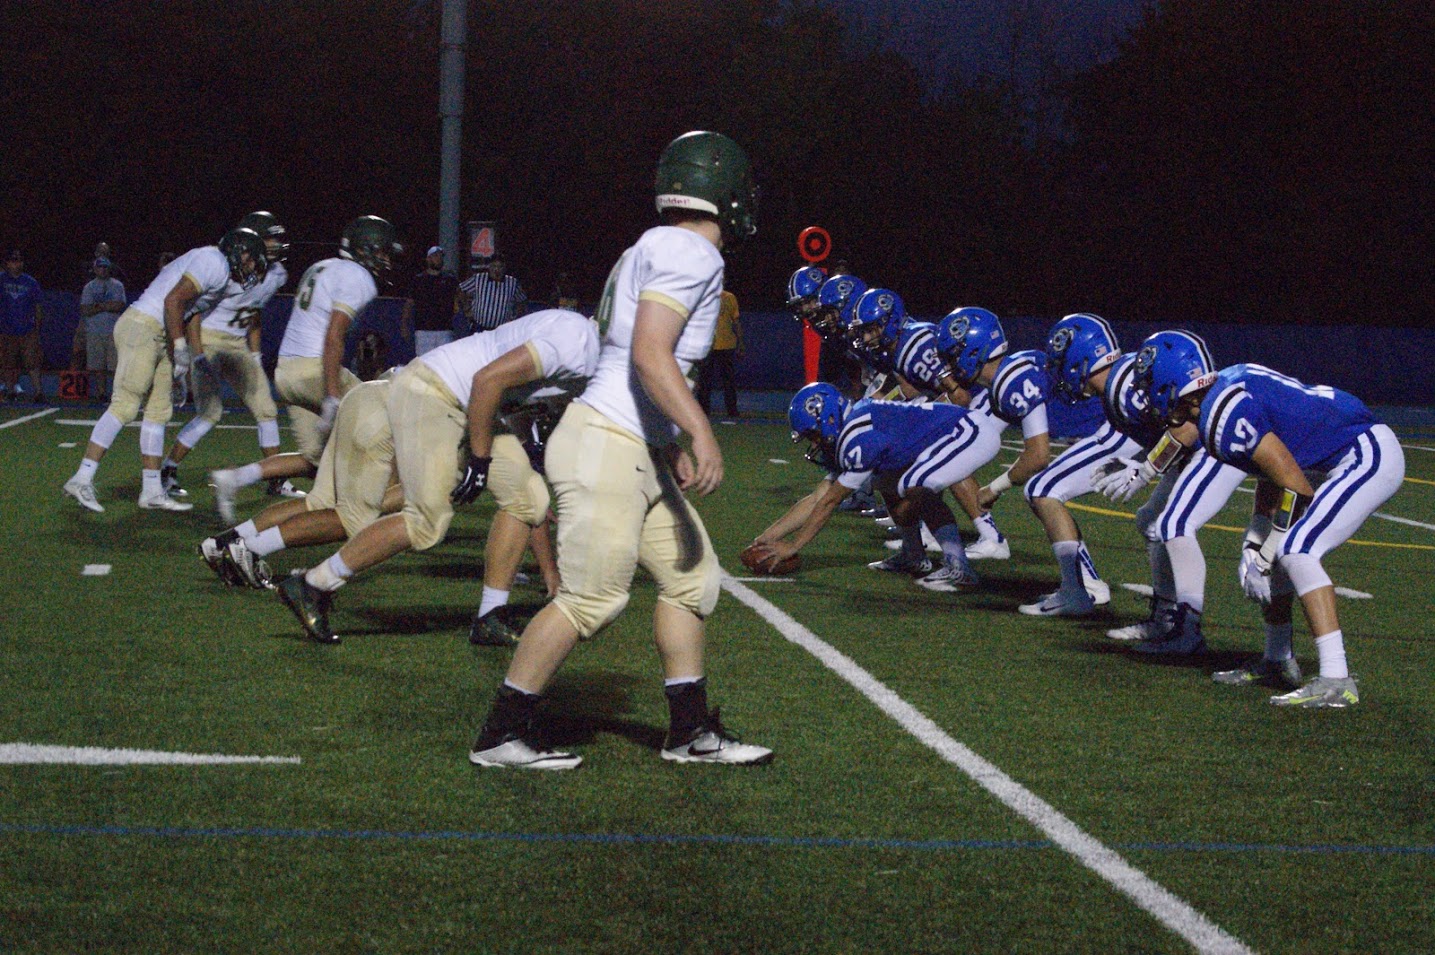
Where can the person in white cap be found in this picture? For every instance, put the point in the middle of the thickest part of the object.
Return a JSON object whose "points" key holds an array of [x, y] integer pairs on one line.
{"points": [[427, 321]]}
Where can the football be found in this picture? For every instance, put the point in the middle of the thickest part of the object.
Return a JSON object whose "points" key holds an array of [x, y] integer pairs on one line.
{"points": [[751, 559]]}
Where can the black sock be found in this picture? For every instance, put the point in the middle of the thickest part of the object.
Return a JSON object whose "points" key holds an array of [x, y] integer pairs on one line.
{"points": [[227, 538], [687, 709], [511, 714]]}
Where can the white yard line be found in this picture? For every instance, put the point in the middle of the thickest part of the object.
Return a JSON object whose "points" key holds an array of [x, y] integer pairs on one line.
{"points": [[29, 753], [135, 424], [28, 417], [1203, 934]]}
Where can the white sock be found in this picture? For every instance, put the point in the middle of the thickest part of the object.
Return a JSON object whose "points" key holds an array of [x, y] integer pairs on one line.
{"points": [[1331, 648], [1278, 641], [1069, 560], [86, 473], [492, 597], [680, 680], [149, 483], [1188, 571], [987, 529], [248, 474], [248, 531], [329, 575], [951, 540], [1088, 566], [265, 542]]}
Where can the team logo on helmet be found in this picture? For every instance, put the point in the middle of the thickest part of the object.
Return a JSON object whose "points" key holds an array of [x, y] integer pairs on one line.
{"points": [[813, 405], [1062, 340]]}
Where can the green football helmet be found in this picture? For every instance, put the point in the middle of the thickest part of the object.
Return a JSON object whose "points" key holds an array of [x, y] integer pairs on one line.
{"points": [[372, 242], [236, 245], [708, 172], [271, 230]]}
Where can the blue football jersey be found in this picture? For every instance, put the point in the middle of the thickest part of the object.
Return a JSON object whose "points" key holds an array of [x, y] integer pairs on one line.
{"points": [[1316, 422], [916, 357], [1127, 407], [1020, 385], [890, 435]]}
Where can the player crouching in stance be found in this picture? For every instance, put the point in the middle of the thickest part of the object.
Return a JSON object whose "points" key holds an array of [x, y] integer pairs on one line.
{"points": [[354, 486], [618, 475], [1277, 428], [912, 452], [438, 400]]}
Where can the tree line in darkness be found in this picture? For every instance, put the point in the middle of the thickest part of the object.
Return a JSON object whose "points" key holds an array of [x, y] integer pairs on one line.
{"points": [[1233, 161]]}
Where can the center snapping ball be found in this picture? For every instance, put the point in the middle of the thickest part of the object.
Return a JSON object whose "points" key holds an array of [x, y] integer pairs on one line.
{"points": [[752, 555]]}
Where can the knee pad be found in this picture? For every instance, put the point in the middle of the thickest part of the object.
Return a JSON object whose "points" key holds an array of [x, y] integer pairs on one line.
{"points": [[152, 439], [1304, 572], [590, 614], [426, 530]]}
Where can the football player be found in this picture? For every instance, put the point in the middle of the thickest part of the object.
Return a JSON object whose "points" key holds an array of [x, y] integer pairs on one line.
{"points": [[446, 394], [311, 376], [618, 475], [881, 331], [1277, 428], [911, 451], [1012, 388], [225, 343], [354, 486], [153, 348]]}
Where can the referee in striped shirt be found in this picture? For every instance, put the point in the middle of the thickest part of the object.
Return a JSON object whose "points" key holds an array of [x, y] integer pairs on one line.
{"points": [[494, 298]]}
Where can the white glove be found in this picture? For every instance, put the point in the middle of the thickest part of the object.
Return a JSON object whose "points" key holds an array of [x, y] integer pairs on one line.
{"points": [[1255, 575], [181, 359], [1121, 485]]}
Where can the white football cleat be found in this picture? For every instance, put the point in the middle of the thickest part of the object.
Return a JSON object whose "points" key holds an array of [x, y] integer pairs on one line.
{"points": [[513, 752], [163, 502], [1060, 603], [989, 549], [84, 492], [226, 485]]}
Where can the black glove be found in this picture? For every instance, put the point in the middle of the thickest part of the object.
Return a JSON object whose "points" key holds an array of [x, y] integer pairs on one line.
{"points": [[474, 480]]}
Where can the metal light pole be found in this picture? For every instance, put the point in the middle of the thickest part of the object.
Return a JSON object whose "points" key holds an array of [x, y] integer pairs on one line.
{"points": [[450, 107]]}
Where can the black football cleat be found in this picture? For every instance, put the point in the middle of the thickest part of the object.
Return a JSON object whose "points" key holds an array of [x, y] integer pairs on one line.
{"points": [[493, 630], [310, 605]]}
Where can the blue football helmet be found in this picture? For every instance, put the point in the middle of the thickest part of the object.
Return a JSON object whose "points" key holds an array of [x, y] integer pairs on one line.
{"points": [[835, 300], [1078, 347], [876, 318], [802, 289], [815, 414], [968, 338], [1170, 366]]}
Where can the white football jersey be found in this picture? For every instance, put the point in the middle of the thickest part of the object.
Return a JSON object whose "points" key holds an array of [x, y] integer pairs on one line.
{"points": [[229, 315], [205, 266], [674, 267], [564, 346], [329, 285]]}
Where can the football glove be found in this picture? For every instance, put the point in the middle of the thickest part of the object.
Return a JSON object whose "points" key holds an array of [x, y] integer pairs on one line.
{"points": [[474, 480], [182, 359], [1122, 484], [1255, 574]]}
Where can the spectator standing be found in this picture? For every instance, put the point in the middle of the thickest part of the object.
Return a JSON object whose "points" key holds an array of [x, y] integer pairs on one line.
{"points": [[427, 321], [722, 360], [565, 294], [20, 318], [495, 298], [101, 302]]}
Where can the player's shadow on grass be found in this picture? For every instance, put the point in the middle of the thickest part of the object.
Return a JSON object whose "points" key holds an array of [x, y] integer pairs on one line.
{"points": [[1210, 661], [580, 707], [403, 621]]}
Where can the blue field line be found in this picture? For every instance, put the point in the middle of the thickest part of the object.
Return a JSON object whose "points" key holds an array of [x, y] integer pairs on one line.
{"points": [[620, 838]]}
